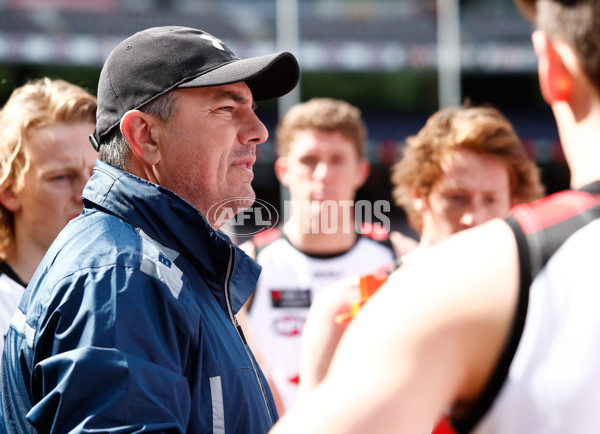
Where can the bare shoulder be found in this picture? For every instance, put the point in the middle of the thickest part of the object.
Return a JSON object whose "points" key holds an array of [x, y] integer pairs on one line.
{"points": [[463, 290], [428, 338], [475, 262], [452, 308]]}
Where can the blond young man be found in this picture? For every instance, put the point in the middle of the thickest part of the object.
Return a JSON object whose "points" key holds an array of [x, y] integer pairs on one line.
{"points": [[45, 161]]}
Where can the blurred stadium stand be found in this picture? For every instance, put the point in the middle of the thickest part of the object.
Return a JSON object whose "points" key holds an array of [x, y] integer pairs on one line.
{"points": [[337, 36], [370, 28]]}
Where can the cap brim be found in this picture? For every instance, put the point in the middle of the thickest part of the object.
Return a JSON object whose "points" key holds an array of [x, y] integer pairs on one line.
{"points": [[268, 77]]}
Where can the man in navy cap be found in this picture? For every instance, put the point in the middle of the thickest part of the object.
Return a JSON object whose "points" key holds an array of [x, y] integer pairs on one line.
{"points": [[129, 323]]}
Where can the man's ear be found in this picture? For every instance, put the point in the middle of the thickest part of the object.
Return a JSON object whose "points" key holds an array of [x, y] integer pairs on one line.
{"points": [[556, 81], [281, 170], [9, 200], [137, 128], [419, 202], [364, 168]]}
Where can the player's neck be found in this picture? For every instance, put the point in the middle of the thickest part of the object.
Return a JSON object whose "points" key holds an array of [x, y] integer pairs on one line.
{"points": [[23, 267], [26, 258], [320, 242], [580, 139]]}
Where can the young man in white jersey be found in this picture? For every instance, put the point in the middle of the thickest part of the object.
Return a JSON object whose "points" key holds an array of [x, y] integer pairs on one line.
{"points": [[321, 145], [498, 323], [45, 160]]}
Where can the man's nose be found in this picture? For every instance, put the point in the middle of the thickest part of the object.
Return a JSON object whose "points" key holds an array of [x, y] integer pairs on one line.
{"points": [[321, 170], [254, 131]]}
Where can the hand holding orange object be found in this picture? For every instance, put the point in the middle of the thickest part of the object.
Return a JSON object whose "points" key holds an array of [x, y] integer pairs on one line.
{"points": [[368, 285]]}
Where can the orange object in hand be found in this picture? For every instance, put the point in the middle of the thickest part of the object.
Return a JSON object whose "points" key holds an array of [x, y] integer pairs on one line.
{"points": [[368, 285]]}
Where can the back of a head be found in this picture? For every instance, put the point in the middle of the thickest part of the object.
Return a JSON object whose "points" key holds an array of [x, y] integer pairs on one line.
{"points": [[576, 22], [36, 104], [325, 114]]}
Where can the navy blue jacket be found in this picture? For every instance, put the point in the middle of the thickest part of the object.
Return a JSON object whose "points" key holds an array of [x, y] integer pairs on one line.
{"points": [[128, 324]]}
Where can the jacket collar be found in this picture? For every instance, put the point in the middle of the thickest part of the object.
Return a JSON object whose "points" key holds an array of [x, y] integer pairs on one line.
{"points": [[172, 221]]}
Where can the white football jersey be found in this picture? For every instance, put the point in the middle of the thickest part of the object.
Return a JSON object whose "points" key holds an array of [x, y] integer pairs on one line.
{"points": [[288, 283], [10, 297]]}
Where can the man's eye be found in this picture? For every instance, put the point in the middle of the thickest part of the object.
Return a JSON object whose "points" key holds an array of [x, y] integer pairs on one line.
{"points": [[338, 160], [308, 161], [457, 198]]}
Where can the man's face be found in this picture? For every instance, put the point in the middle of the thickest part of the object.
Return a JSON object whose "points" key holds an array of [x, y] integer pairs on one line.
{"points": [[208, 147], [61, 160], [473, 189], [322, 165]]}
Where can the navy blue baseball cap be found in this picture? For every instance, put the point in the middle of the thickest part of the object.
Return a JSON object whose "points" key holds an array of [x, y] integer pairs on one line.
{"points": [[160, 59]]}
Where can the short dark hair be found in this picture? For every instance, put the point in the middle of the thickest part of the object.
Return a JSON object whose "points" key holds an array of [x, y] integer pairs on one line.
{"points": [[116, 149], [574, 21]]}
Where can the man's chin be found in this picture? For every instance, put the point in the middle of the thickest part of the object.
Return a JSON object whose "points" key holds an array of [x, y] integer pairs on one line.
{"points": [[246, 198], [225, 209], [244, 203]]}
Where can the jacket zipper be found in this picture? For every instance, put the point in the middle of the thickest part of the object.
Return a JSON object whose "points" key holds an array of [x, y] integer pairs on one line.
{"points": [[240, 333]]}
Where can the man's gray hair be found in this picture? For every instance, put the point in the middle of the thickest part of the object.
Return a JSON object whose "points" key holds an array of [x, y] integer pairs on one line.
{"points": [[115, 151]]}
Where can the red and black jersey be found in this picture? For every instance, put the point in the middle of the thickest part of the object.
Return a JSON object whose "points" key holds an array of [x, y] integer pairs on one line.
{"points": [[548, 378]]}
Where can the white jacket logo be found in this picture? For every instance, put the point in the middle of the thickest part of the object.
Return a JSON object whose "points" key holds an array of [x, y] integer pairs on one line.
{"points": [[216, 42]]}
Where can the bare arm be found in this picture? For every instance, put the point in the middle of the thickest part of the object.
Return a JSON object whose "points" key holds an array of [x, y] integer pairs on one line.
{"points": [[321, 334], [428, 338]]}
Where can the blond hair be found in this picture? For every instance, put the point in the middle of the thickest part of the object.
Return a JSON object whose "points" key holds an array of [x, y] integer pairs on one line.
{"points": [[36, 104], [324, 114]]}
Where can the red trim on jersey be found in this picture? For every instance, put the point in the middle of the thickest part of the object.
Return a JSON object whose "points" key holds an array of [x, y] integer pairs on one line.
{"points": [[374, 231], [265, 237], [552, 210], [443, 427]]}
